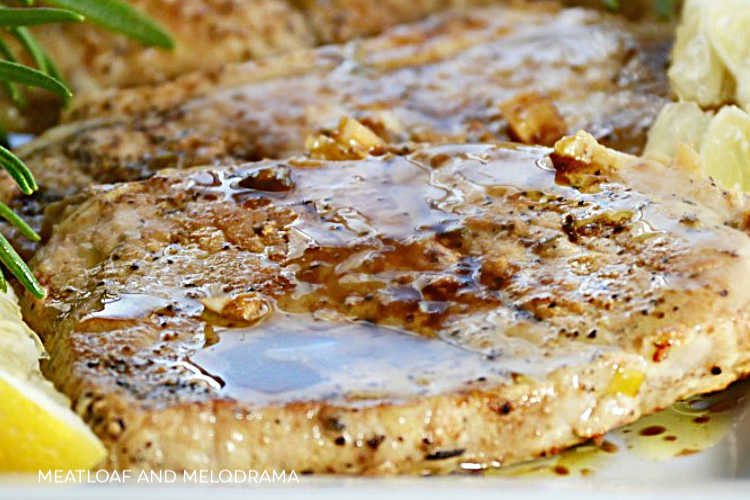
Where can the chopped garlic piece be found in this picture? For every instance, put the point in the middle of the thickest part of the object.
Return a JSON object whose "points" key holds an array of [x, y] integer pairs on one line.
{"points": [[246, 307], [351, 141], [533, 118], [354, 134], [584, 148]]}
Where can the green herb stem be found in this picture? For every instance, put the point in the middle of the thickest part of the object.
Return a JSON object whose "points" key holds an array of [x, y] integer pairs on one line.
{"points": [[38, 15], [115, 15], [19, 269], [14, 72]]}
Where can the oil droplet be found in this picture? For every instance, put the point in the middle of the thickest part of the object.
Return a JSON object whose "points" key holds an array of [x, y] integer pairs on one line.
{"points": [[687, 452], [608, 447], [652, 430], [583, 460], [561, 470]]}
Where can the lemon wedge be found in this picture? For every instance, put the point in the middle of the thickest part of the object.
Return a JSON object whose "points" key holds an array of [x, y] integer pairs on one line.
{"points": [[725, 151], [38, 429]]}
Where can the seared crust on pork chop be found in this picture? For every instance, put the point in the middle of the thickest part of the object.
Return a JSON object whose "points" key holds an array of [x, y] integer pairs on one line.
{"points": [[405, 313], [336, 21]]}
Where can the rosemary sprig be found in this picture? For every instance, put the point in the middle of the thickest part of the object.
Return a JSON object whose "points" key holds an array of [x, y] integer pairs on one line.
{"points": [[31, 17], [27, 40], [15, 93], [115, 15], [17, 222], [15, 72], [18, 170]]}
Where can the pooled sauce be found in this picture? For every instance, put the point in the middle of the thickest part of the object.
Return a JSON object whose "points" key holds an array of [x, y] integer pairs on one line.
{"points": [[686, 427], [653, 430], [341, 206], [298, 358], [376, 254]]}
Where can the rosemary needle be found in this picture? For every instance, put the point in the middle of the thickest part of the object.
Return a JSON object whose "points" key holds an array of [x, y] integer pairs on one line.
{"points": [[14, 72], [30, 17], [17, 222], [18, 171], [11, 88], [19, 269], [115, 15], [27, 40]]}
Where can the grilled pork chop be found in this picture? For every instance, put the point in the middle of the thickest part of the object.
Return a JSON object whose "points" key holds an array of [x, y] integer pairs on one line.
{"points": [[458, 77], [208, 33], [211, 33], [417, 311], [336, 21], [442, 79]]}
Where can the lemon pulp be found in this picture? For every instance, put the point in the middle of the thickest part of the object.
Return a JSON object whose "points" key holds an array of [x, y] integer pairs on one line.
{"points": [[38, 431]]}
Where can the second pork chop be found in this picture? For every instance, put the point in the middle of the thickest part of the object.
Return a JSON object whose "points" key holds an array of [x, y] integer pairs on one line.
{"points": [[458, 77], [445, 79]]}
